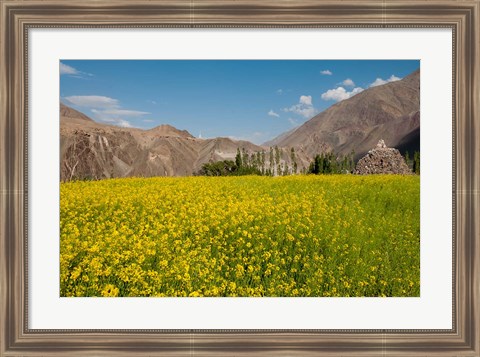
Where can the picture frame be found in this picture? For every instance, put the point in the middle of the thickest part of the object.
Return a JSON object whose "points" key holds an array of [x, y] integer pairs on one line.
{"points": [[17, 339]]}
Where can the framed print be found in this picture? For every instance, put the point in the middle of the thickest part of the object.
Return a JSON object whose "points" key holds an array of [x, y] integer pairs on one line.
{"points": [[120, 237]]}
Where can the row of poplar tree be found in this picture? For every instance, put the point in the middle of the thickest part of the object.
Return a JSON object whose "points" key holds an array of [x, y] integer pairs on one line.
{"points": [[257, 164]]}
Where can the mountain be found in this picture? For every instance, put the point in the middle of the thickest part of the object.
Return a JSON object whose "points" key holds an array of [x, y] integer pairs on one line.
{"points": [[390, 112], [91, 150], [168, 130], [279, 138], [73, 115]]}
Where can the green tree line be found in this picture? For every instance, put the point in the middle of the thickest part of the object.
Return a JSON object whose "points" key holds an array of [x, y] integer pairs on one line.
{"points": [[257, 164], [253, 164], [414, 163], [330, 163]]}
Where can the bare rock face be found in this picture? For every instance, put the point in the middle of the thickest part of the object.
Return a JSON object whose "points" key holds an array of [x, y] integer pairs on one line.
{"points": [[382, 160]]}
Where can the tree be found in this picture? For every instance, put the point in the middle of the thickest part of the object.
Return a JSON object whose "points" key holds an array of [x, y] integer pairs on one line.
{"points": [[329, 163], [344, 166], [238, 159], [262, 162], [218, 168], [407, 158], [294, 160], [352, 161], [272, 162], [277, 159], [416, 162], [245, 158], [316, 164], [253, 160]]}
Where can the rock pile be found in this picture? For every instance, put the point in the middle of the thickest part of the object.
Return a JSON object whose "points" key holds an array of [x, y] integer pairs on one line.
{"points": [[382, 160]]}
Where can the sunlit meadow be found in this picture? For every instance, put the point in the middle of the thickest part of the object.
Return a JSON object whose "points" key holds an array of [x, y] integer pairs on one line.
{"points": [[297, 235]]}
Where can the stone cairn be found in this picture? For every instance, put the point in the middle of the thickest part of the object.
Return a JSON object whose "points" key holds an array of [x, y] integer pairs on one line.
{"points": [[382, 160]]}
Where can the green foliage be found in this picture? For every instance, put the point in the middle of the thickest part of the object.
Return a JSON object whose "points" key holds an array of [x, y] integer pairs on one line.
{"points": [[218, 168], [243, 165], [416, 162], [277, 160], [252, 164], [294, 160], [272, 161], [238, 158], [407, 158], [329, 163], [413, 163]]}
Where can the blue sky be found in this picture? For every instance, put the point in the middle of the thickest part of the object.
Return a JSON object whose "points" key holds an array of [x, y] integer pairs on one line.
{"points": [[254, 100]]}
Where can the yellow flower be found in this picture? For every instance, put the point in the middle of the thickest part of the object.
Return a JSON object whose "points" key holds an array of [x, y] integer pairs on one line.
{"points": [[109, 290]]}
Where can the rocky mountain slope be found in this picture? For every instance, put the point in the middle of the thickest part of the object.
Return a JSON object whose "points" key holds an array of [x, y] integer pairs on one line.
{"points": [[390, 112], [90, 150]]}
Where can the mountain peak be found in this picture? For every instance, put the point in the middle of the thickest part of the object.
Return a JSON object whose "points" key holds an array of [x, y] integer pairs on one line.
{"points": [[168, 130], [67, 112]]}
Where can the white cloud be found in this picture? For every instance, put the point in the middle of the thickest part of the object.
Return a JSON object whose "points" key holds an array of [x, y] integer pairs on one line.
{"points": [[122, 123], [115, 121], [148, 120], [123, 112], [293, 121], [117, 116], [256, 137], [338, 94], [380, 81], [326, 72], [100, 115], [306, 99], [92, 101], [273, 114], [304, 108], [279, 91], [106, 109], [72, 72], [66, 69]]}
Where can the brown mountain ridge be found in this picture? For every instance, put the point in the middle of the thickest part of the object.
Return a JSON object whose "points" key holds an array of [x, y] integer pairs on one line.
{"points": [[90, 150]]}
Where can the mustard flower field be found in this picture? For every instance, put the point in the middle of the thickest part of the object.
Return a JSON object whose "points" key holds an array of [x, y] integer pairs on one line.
{"points": [[301, 235]]}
